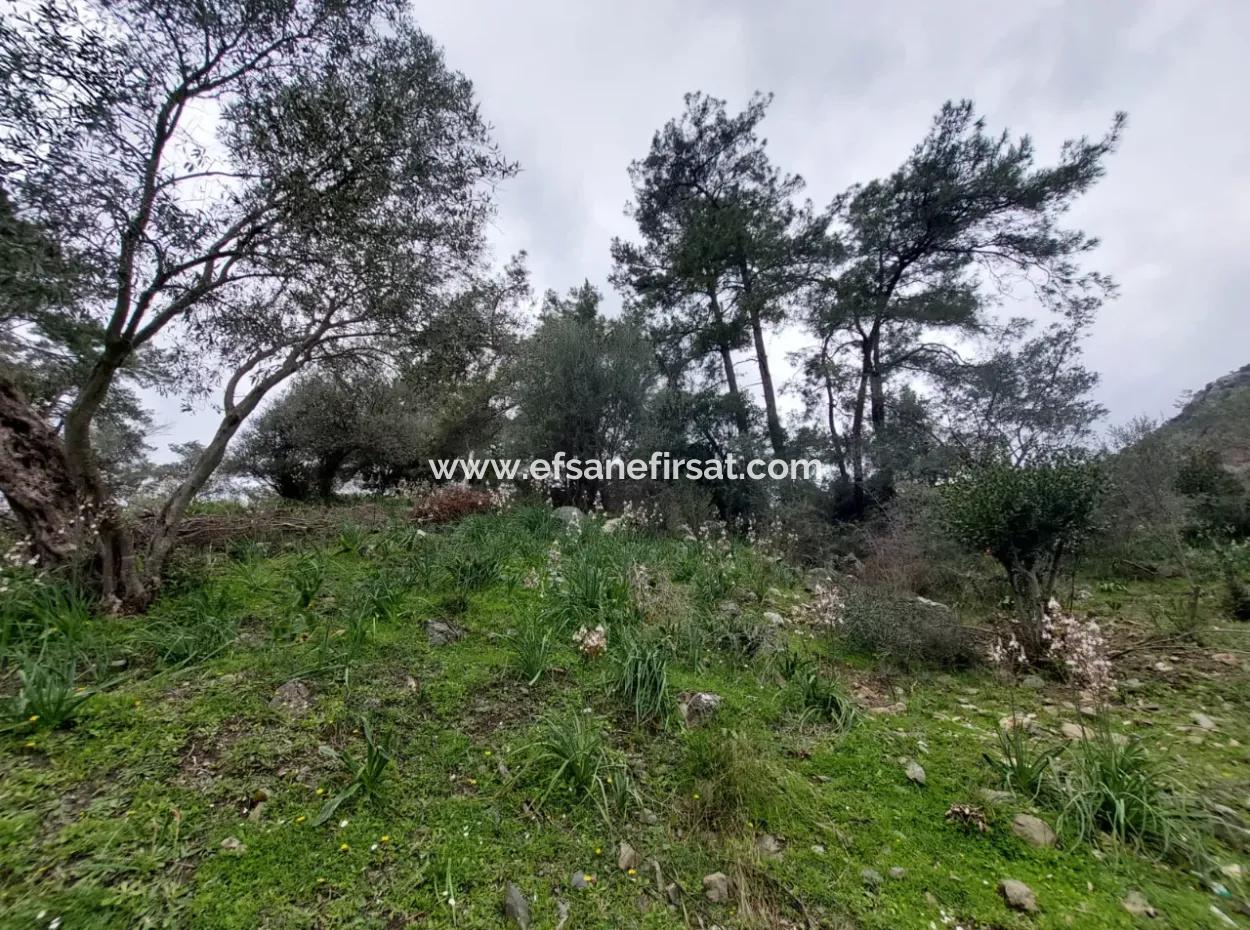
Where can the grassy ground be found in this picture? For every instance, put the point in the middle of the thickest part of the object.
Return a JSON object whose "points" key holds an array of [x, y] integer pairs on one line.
{"points": [[185, 792]]}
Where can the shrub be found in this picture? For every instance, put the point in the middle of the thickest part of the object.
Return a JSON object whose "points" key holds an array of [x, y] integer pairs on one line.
{"points": [[1026, 517], [450, 503], [640, 679], [904, 629]]}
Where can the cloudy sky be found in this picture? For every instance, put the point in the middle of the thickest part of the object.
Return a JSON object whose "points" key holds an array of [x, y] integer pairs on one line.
{"points": [[576, 89]]}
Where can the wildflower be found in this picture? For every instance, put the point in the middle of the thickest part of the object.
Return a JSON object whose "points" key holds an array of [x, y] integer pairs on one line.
{"points": [[631, 872], [386, 838], [300, 819], [33, 718], [696, 795], [598, 850], [592, 643], [321, 791], [343, 847], [488, 752]]}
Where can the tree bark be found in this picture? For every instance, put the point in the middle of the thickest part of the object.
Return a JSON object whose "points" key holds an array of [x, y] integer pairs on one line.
{"points": [[776, 435], [35, 479]]}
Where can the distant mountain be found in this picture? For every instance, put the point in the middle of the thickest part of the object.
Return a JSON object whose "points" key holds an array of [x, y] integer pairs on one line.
{"points": [[1218, 418]]}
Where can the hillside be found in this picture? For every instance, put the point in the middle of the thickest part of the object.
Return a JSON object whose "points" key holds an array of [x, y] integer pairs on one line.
{"points": [[397, 728], [1218, 418]]}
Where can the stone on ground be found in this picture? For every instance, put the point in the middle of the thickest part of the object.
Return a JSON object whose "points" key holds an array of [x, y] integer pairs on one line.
{"points": [[1018, 895]]}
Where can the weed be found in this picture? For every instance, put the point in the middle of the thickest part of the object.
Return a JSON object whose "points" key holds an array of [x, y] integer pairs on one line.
{"points": [[1115, 786], [201, 625], [640, 678], [532, 648], [728, 781], [46, 698], [822, 698], [366, 773], [570, 756], [1025, 769], [307, 578]]}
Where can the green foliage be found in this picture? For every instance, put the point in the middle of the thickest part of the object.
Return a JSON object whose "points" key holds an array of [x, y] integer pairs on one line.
{"points": [[822, 698], [46, 697], [1026, 769], [533, 647], [727, 781], [366, 773], [571, 757], [307, 578], [1114, 785], [200, 625], [590, 593], [640, 677], [1020, 513]]}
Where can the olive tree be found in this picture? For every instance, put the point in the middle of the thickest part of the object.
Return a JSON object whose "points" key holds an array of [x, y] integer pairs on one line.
{"points": [[1028, 518], [236, 179]]}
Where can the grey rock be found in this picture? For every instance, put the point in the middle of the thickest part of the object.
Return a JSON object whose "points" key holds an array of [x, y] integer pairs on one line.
{"points": [[898, 872], [613, 525], [870, 877], [1136, 904], [580, 880], [1033, 830], [516, 908], [232, 844], [695, 706], [716, 887], [1033, 682], [730, 608], [569, 516], [915, 772], [772, 618], [442, 632], [672, 892], [768, 846], [1202, 721], [1018, 895], [1074, 731], [294, 697], [627, 857]]}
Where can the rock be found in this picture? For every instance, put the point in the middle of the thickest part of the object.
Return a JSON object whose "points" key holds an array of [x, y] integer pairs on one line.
{"points": [[569, 516], [562, 914], [232, 844], [294, 697], [1018, 895], [1233, 870], [716, 887], [627, 857], [1225, 658], [768, 846], [1074, 731], [516, 908], [994, 797], [1033, 830], [695, 706], [1202, 721], [730, 608], [870, 877], [581, 881], [815, 579], [936, 607], [442, 632], [898, 872], [672, 892], [772, 618], [1033, 682], [915, 772], [611, 526], [888, 710], [1136, 904]]}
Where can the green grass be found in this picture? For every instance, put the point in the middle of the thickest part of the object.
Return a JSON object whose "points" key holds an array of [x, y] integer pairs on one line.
{"points": [[492, 773]]}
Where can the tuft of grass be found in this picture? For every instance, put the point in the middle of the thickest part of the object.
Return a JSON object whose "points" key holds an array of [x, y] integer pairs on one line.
{"points": [[532, 649], [1115, 786], [46, 697], [571, 758], [728, 782], [200, 626], [640, 678], [590, 594], [366, 773], [822, 698], [1027, 770]]}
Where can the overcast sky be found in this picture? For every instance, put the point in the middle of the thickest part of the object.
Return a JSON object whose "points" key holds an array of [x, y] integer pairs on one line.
{"points": [[576, 89]]}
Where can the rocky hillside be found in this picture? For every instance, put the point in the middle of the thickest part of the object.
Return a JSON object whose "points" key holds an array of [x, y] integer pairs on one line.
{"points": [[1218, 417]]}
